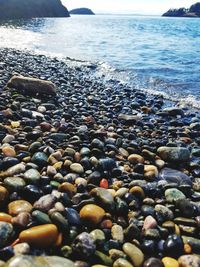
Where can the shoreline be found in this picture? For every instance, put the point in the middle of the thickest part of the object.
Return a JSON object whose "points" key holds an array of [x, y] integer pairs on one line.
{"points": [[114, 170]]}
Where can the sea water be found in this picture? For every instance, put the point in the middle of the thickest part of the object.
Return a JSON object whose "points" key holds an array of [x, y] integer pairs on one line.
{"points": [[156, 54]]}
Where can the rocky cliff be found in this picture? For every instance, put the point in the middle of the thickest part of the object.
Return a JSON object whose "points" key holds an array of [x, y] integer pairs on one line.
{"points": [[12, 9], [193, 11], [82, 11]]}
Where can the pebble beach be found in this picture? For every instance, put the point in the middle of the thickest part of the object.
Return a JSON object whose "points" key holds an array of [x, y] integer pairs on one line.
{"points": [[96, 173]]}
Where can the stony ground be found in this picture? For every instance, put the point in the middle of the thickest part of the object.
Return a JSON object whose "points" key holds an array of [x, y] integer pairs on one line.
{"points": [[98, 175]]}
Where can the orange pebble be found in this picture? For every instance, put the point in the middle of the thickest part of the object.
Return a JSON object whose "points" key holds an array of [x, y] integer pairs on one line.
{"points": [[8, 151], [59, 240], [187, 249], [104, 183], [106, 224], [4, 217]]}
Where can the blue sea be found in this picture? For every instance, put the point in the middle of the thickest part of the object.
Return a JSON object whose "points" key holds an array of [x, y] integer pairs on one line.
{"points": [[156, 54]]}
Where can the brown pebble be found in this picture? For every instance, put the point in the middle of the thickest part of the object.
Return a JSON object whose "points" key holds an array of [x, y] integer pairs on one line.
{"points": [[41, 236], [3, 194], [92, 213], [18, 206]]}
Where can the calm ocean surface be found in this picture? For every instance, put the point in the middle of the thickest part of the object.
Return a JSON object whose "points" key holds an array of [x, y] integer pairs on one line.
{"points": [[151, 53]]}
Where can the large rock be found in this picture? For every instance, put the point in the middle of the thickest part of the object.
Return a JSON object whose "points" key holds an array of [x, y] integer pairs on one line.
{"points": [[32, 86], [12, 9], [81, 11], [193, 11]]}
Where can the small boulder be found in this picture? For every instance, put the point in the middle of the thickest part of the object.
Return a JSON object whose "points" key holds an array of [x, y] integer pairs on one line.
{"points": [[32, 86]]}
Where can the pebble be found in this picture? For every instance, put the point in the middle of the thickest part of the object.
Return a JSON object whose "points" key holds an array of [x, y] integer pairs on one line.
{"points": [[170, 262], [21, 249], [16, 169], [173, 194], [45, 203], [8, 151], [174, 154], [77, 168], [149, 223], [6, 230], [116, 254], [3, 194], [40, 159], [14, 183], [163, 213], [153, 262], [173, 246], [41, 236], [98, 236], [32, 176], [92, 213], [134, 253], [18, 206], [189, 261], [22, 219], [8, 139], [69, 188], [174, 176], [135, 158], [122, 263], [103, 197], [4, 217], [117, 233], [38, 261], [84, 245]]}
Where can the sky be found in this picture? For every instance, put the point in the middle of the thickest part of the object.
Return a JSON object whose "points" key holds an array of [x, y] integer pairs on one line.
{"points": [[128, 6]]}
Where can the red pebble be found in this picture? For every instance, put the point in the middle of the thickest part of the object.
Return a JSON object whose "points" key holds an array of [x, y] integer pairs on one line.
{"points": [[106, 224], [104, 183]]}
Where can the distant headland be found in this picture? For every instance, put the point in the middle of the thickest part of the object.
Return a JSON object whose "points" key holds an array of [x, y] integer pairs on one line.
{"points": [[16, 9], [81, 11], [192, 12]]}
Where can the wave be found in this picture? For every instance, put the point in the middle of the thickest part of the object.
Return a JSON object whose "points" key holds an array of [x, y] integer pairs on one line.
{"points": [[154, 86]]}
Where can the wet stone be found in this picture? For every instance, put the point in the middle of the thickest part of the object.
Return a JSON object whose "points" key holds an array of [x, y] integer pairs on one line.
{"points": [[134, 253], [39, 261], [117, 233], [45, 203], [77, 168], [14, 183], [122, 263], [84, 245], [170, 262], [98, 236], [21, 249], [40, 159], [107, 164], [173, 194], [6, 230], [174, 154], [174, 176], [73, 216], [32, 176], [153, 262], [163, 213], [41, 236], [92, 214], [104, 197], [3, 194], [41, 217], [18, 206], [189, 261], [173, 246]]}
